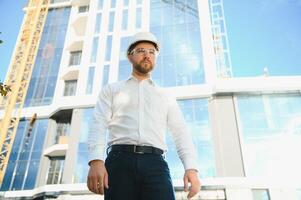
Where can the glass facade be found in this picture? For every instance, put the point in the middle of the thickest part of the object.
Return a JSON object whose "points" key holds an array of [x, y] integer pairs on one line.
{"points": [[270, 127], [82, 168], [44, 76], [195, 112], [24, 160], [176, 25]]}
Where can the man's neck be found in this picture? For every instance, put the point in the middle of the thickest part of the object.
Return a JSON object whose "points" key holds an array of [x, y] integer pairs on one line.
{"points": [[140, 77]]}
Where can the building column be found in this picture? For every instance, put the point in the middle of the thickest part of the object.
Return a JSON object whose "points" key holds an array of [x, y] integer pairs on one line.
{"points": [[228, 155], [71, 154]]}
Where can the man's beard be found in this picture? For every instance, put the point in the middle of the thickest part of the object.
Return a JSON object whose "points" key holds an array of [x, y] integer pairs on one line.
{"points": [[143, 70]]}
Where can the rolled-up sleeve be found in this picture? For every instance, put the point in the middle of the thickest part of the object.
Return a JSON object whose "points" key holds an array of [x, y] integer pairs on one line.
{"points": [[101, 116], [182, 138]]}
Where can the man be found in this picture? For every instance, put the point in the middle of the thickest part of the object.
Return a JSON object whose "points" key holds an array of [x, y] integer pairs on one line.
{"points": [[137, 114]]}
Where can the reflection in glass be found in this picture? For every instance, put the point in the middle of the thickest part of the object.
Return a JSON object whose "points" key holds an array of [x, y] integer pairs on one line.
{"points": [[180, 61], [270, 127], [23, 164], [44, 75], [195, 112], [81, 169]]}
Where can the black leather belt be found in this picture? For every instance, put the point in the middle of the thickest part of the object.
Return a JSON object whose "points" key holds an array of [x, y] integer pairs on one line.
{"points": [[135, 149]]}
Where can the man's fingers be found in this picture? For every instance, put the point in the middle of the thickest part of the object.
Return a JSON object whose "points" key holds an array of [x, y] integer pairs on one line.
{"points": [[95, 185], [100, 185], [89, 184], [106, 180], [193, 191], [185, 183]]}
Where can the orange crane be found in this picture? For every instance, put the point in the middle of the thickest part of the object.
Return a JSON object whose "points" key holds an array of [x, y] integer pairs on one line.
{"points": [[19, 76]]}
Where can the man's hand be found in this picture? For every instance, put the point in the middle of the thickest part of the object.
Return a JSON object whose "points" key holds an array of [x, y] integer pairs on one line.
{"points": [[191, 176], [98, 177]]}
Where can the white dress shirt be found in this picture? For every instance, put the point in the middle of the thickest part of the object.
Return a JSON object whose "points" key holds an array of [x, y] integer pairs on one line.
{"points": [[139, 113]]}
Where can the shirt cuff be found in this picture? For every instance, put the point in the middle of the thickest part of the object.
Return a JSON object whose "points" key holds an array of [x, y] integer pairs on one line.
{"points": [[95, 153], [190, 163]]}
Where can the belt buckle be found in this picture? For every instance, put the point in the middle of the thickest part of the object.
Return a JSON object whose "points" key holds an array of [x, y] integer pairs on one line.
{"points": [[140, 152]]}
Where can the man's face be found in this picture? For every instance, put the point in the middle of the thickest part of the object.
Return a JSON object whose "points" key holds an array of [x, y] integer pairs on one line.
{"points": [[143, 57]]}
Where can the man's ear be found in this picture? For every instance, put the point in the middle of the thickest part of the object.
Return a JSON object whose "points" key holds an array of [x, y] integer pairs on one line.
{"points": [[129, 57]]}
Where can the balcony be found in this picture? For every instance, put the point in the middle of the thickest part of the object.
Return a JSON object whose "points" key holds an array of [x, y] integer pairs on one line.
{"points": [[56, 150], [80, 22], [80, 2]]}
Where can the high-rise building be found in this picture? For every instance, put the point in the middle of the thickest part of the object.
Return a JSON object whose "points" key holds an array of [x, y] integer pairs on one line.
{"points": [[247, 130]]}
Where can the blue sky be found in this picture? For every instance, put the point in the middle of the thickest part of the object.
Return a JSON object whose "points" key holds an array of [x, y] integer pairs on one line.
{"points": [[11, 16], [264, 33], [261, 33]]}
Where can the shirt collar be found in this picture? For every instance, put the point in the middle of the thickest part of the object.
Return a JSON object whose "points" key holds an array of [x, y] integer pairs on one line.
{"points": [[149, 80]]}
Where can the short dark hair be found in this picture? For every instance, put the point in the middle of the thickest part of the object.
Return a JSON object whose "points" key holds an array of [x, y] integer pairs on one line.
{"points": [[130, 49]]}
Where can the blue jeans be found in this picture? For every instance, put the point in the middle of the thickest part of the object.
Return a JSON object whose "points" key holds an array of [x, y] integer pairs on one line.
{"points": [[135, 176]]}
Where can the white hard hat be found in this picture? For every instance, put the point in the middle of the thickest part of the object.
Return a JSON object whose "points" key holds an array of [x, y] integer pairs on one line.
{"points": [[143, 36]]}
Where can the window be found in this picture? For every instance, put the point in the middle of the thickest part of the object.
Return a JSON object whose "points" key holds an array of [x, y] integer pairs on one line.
{"points": [[98, 23], [109, 48], [125, 2], [260, 194], [180, 62], [62, 129], [58, 1], [125, 19], [196, 115], [70, 88], [83, 9], [270, 122], [111, 22], [24, 160], [298, 194], [138, 18], [45, 71], [94, 50], [113, 3], [81, 170], [89, 88], [55, 172], [75, 58], [105, 75], [100, 4]]}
